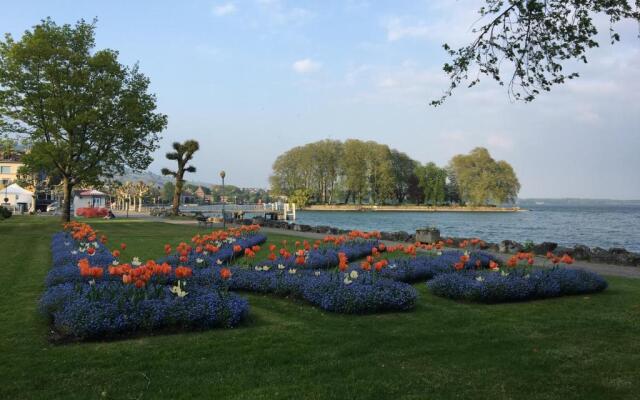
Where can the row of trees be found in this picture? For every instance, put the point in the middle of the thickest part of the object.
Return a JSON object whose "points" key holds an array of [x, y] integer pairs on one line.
{"points": [[355, 171]]}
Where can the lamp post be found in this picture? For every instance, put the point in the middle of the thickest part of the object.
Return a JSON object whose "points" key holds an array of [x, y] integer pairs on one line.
{"points": [[224, 220]]}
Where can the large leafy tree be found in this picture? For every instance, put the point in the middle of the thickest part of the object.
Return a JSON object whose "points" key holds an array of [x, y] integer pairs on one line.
{"points": [[380, 172], [526, 44], [433, 183], [403, 168], [89, 115], [183, 153], [482, 180], [354, 167]]}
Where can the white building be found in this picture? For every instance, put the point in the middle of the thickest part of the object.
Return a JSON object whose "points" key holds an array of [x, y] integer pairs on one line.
{"points": [[17, 199], [89, 199]]}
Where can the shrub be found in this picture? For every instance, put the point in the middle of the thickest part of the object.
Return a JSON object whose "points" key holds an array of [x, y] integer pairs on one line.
{"points": [[515, 285], [5, 213], [92, 212]]}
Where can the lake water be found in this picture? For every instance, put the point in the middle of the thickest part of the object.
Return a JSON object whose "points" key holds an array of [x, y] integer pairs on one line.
{"points": [[604, 226]]}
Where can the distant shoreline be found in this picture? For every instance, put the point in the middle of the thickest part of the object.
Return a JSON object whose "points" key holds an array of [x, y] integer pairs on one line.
{"points": [[373, 208]]}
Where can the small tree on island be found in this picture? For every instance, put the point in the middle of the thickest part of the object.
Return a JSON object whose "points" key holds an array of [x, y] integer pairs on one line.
{"points": [[84, 113], [183, 154]]}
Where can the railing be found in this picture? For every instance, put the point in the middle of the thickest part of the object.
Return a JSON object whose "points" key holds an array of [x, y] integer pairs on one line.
{"points": [[283, 210]]}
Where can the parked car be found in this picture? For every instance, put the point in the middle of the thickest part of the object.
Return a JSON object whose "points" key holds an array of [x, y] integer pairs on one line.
{"points": [[53, 207]]}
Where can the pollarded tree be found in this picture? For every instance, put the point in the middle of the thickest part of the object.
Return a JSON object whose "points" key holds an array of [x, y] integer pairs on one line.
{"points": [[141, 189], [532, 39], [89, 115], [183, 154]]}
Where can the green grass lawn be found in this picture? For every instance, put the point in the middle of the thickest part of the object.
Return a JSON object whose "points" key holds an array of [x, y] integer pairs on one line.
{"points": [[569, 348]]}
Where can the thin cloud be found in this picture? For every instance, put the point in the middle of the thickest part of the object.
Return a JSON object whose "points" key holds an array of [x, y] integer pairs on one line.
{"points": [[306, 66], [224, 9], [398, 29]]}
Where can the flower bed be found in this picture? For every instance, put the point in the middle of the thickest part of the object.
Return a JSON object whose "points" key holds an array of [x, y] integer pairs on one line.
{"points": [[325, 256], [90, 294], [329, 290], [67, 250], [426, 267], [518, 284], [110, 308]]}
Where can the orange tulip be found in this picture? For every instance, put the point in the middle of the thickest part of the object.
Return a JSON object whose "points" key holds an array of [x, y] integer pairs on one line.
{"points": [[566, 259], [225, 273]]}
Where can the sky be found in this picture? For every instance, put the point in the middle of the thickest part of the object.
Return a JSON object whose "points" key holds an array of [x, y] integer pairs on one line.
{"points": [[250, 79]]}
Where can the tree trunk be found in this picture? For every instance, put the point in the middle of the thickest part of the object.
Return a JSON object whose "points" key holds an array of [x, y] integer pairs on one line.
{"points": [[140, 204], [66, 204], [176, 197]]}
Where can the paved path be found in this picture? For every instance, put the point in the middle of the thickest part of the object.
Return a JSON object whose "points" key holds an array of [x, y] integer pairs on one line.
{"points": [[604, 269]]}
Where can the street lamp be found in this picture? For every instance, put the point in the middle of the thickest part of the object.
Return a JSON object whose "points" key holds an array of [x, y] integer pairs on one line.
{"points": [[224, 220]]}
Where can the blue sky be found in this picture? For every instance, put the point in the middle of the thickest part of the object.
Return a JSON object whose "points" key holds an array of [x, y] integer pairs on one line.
{"points": [[250, 79]]}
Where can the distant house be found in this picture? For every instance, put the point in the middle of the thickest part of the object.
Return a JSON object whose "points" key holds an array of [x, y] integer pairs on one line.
{"points": [[203, 194], [89, 199], [9, 164], [188, 198]]}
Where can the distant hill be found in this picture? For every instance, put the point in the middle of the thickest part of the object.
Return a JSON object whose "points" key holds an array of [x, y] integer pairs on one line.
{"points": [[158, 180], [576, 202], [147, 177]]}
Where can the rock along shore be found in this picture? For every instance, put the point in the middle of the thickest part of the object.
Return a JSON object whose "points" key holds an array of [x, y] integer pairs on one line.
{"points": [[355, 207], [614, 255]]}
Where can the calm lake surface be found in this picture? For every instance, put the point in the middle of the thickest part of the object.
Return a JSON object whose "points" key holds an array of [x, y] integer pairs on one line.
{"points": [[603, 225]]}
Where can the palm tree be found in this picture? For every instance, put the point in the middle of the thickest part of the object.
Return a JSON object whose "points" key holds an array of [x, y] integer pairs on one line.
{"points": [[183, 154]]}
